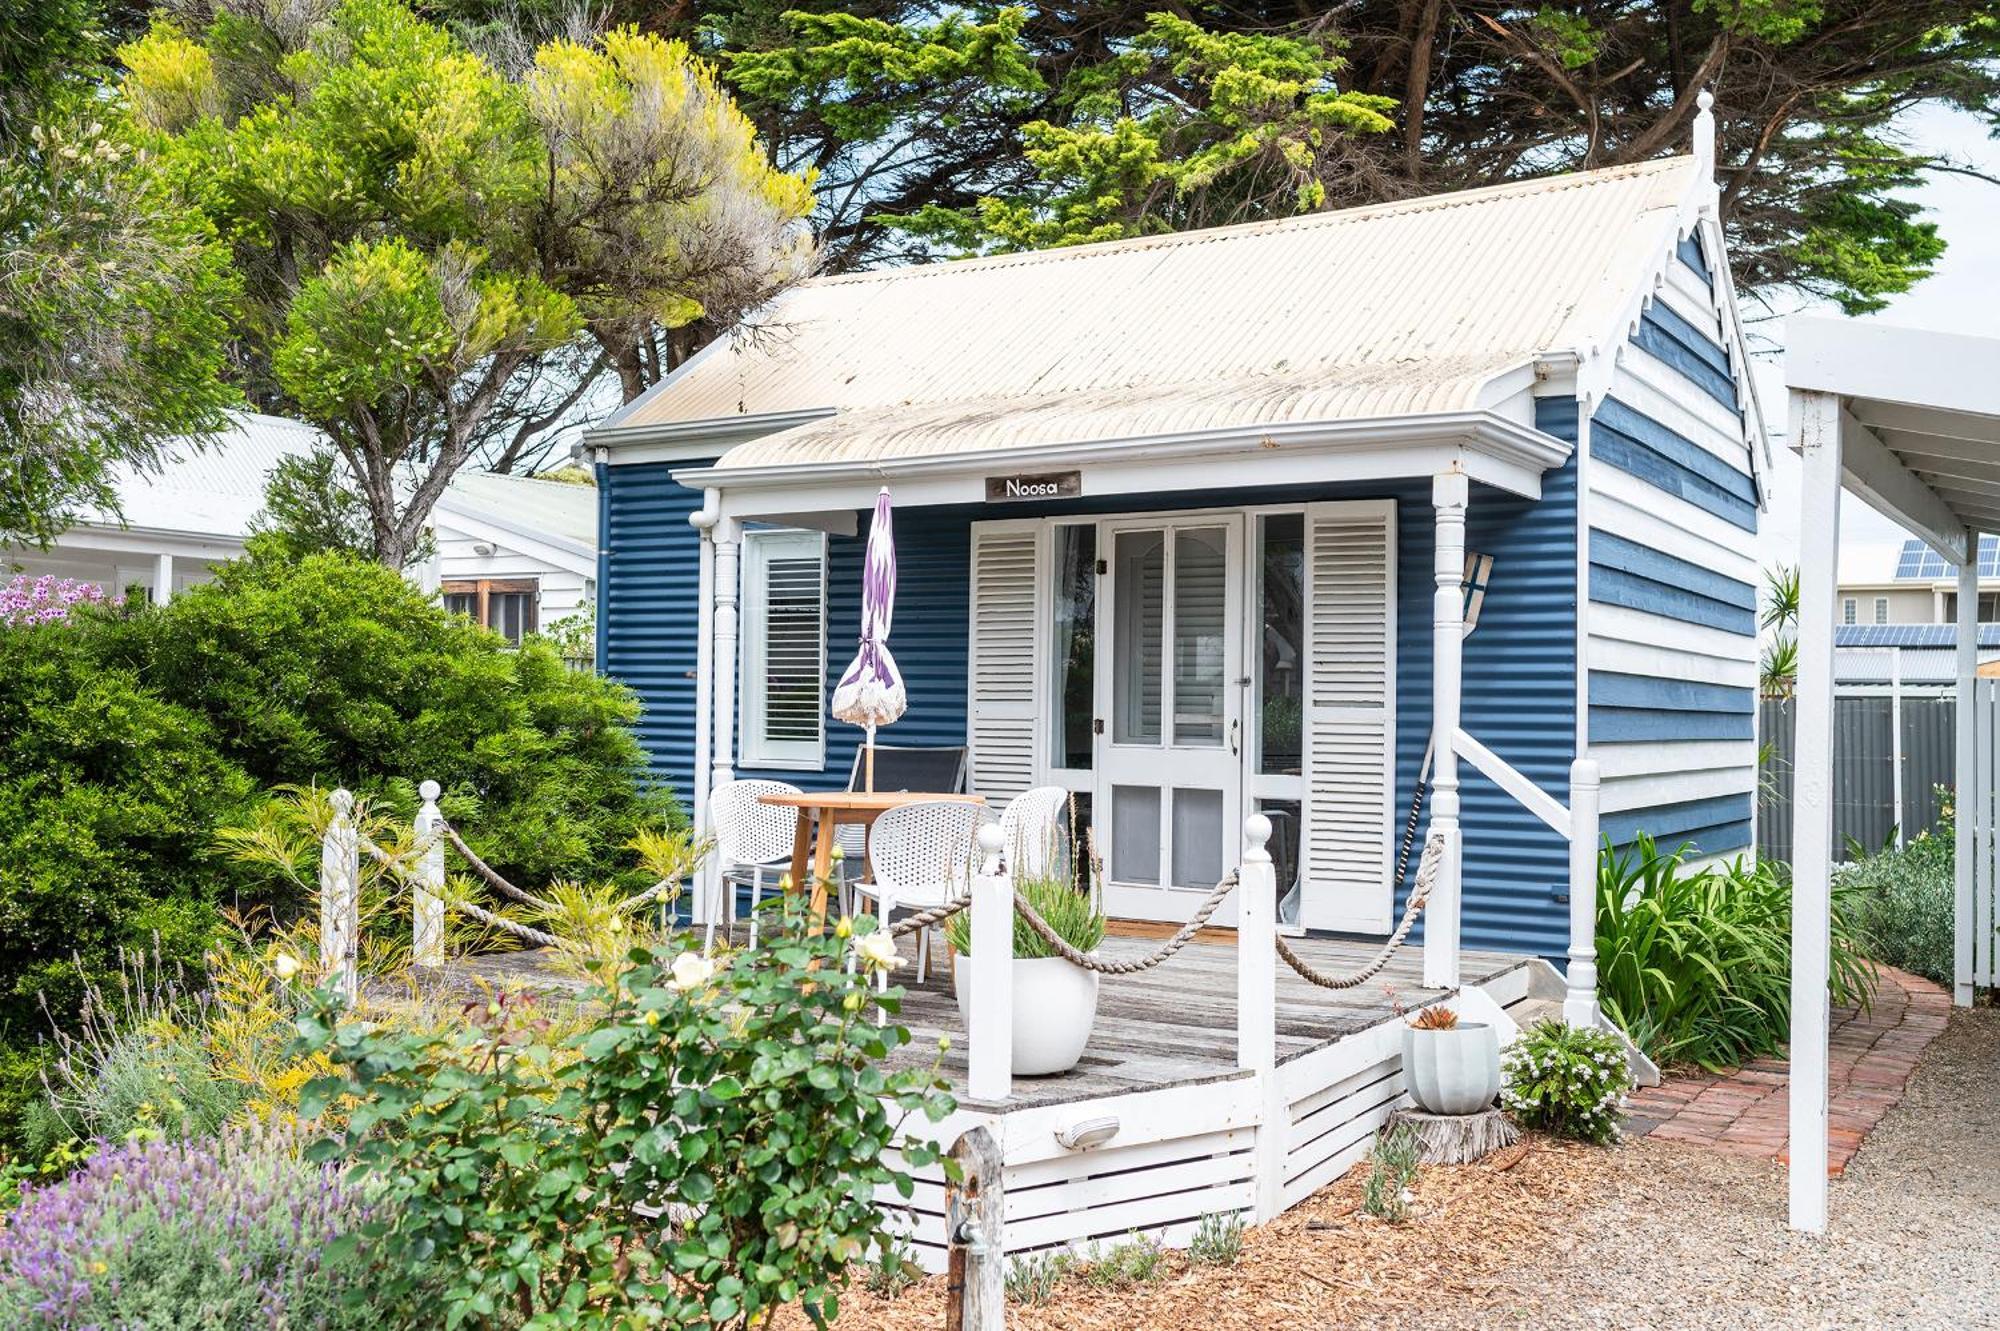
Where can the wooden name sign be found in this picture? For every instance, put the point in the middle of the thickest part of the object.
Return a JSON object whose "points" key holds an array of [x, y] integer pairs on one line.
{"points": [[1022, 489]]}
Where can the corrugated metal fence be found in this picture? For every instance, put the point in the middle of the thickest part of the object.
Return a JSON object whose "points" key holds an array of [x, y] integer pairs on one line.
{"points": [[1870, 803]]}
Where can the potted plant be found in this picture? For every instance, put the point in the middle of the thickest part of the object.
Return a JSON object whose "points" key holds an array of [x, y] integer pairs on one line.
{"points": [[1449, 1066], [1055, 1000]]}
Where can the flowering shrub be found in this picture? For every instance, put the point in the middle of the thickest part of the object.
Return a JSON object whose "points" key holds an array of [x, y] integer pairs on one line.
{"points": [[1568, 1081], [229, 1234], [25, 601], [741, 1097]]}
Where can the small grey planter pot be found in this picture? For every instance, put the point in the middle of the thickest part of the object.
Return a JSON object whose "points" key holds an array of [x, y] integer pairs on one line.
{"points": [[1452, 1072]]}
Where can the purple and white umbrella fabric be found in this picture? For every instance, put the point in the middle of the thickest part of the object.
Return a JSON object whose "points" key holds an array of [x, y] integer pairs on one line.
{"points": [[870, 693]]}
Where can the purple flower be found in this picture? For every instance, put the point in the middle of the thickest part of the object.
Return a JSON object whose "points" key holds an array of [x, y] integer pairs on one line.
{"points": [[26, 602]]}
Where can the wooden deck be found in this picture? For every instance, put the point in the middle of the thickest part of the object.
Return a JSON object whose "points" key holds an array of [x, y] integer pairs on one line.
{"points": [[1169, 1026], [1176, 1024]]}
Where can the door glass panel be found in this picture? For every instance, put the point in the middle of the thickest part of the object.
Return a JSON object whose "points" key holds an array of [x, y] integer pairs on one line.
{"points": [[1135, 834], [1075, 644], [1284, 848], [1281, 644], [1140, 600], [1201, 590], [1197, 838]]}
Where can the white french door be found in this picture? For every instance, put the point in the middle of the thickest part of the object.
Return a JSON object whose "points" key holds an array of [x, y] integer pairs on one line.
{"points": [[1170, 700]]}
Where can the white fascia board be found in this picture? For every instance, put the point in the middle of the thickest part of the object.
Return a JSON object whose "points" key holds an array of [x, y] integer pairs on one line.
{"points": [[1485, 446], [1914, 366], [542, 547], [149, 541], [1878, 476], [691, 441]]}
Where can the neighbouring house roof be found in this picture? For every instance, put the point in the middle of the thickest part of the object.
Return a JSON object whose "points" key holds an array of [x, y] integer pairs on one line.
{"points": [[1930, 636], [527, 505], [1917, 562], [214, 490], [1430, 306]]}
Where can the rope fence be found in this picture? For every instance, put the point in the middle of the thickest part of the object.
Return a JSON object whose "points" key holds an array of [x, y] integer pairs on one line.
{"points": [[1427, 871]]}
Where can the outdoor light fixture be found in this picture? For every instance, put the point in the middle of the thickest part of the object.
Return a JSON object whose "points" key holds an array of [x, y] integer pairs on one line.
{"points": [[1087, 1134]]}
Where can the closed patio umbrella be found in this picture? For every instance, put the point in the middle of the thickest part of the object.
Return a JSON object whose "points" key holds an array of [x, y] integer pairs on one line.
{"points": [[870, 693]]}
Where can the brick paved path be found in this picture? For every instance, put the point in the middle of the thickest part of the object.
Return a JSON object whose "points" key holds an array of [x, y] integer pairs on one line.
{"points": [[1870, 1058]]}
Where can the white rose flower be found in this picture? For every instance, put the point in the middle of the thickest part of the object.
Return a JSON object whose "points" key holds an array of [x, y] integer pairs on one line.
{"points": [[286, 965], [877, 952], [691, 970]]}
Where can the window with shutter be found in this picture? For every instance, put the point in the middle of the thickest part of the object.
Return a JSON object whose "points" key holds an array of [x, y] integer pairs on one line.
{"points": [[784, 649], [1350, 715], [1006, 578]]}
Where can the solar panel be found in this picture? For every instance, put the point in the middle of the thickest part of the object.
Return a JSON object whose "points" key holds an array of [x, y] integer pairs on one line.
{"points": [[1918, 561]]}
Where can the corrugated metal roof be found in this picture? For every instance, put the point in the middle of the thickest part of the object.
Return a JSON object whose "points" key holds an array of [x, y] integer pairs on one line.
{"points": [[213, 492], [553, 507], [1400, 309]]}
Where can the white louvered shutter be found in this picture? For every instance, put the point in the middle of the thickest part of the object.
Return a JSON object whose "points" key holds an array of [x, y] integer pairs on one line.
{"points": [[1350, 719], [1004, 679]]}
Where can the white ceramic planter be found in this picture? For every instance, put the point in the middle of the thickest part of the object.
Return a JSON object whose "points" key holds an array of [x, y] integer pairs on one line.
{"points": [[1055, 1005], [1452, 1072]]}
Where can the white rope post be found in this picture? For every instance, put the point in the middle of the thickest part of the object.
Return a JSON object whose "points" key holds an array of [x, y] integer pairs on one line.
{"points": [[989, 1017], [1450, 493], [1257, 1010], [340, 898], [1580, 1002], [428, 940]]}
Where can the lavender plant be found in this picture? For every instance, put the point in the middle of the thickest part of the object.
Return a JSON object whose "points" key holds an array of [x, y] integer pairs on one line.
{"points": [[235, 1233]]}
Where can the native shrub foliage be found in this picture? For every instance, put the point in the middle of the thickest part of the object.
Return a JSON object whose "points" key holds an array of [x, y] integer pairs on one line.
{"points": [[1695, 963], [707, 1151], [235, 1233], [1568, 1081], [1904, 899]]}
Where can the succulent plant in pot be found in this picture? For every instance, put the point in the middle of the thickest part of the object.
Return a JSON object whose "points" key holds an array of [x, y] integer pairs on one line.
{"points": [[1449, 1066], [1055, 1000]]}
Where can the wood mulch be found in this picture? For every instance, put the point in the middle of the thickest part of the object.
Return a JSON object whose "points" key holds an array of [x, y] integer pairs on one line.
{"points": [[1323, 1263]]}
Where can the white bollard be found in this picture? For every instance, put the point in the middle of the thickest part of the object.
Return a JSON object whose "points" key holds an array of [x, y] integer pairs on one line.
{"points": [[989, 1036], [340, 899], [428, 940], [1257, 1009], [1580, 1003]]}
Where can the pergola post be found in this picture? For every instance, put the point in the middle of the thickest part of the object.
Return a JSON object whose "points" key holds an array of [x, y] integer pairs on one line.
{"points": [[1816, 420], [1969, 808]]}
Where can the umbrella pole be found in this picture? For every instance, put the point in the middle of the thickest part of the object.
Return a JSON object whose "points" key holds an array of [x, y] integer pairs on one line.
{"points": [[871, 760]]}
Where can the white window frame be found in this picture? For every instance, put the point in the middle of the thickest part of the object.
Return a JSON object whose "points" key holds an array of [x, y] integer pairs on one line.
{"points": [[754, 748], [1881, 610], [1847, 610]]}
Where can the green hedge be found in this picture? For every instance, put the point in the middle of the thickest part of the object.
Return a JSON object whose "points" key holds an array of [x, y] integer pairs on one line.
{"points": [[129, 737], [1904, 898]]}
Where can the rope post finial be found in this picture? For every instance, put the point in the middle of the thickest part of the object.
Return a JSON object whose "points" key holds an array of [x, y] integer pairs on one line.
{"points": [[1704, 130], [1256, 839], [427, 939]]}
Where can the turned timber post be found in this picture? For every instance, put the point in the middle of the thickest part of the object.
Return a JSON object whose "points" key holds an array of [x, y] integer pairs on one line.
{"points": [[340, 898], [427, 944]]}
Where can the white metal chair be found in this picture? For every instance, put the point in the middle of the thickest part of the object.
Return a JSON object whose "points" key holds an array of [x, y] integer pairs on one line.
{"points": [[1034, 832], [921, 856], [753, 845]]}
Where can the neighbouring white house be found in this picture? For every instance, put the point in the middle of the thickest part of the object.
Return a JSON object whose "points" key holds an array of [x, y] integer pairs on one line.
{"points": [[518, 554], [1910, 584], [178, 521]]}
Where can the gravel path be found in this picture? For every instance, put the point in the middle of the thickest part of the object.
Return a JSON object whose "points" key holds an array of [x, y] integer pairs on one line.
{"points": [[1684, 1237]]}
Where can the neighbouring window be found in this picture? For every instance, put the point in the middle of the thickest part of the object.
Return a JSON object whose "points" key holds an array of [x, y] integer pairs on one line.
{"points": [[1075, 645], [1881, 610], [1847, 611], [784, 649], [505, 605]]}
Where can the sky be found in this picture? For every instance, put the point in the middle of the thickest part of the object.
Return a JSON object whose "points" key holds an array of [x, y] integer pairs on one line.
{"points": [[1961, 296]]}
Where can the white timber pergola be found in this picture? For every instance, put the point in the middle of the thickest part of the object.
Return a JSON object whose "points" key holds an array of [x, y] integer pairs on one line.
{"points": [[1910, 421]]}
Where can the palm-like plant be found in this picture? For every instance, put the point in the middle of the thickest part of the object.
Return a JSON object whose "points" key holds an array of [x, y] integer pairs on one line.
{"points": [[1779, 670]]}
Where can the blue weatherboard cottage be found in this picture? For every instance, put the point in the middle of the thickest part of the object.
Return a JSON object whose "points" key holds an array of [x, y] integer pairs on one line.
{"points": [[1184, 522]]}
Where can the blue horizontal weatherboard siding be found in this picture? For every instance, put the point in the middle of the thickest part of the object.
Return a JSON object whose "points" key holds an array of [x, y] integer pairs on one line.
{"points": [[1638, 577], [1691, 255], [1713, 826], [1639, 445], [1698, 357], [1629, 709]]}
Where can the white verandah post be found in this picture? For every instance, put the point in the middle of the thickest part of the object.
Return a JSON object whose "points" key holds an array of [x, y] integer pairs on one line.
{"points": [[340, 898], [1816, 417], [708, 873], [1449, 494], [1256, 1012], [427, 942], [989, 1017]]}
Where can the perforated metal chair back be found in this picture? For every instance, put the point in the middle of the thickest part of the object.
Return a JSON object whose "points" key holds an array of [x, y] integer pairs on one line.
{"points": [[1034, 832], [921, 854], [748, 832]]}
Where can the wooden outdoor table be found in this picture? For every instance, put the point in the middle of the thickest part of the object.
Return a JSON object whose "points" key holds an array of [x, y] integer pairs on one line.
{"points": [[832, 810]]}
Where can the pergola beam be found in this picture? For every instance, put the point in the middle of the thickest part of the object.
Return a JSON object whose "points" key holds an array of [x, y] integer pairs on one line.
{"points": [[1879, 476]]}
